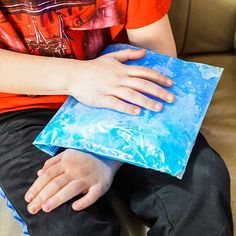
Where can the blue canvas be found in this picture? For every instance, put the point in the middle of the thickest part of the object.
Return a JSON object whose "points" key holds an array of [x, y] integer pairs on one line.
{"points": [[161, 141]]}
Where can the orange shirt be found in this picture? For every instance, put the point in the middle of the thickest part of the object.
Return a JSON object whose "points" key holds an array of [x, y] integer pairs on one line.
{"points": [[67, 28]]}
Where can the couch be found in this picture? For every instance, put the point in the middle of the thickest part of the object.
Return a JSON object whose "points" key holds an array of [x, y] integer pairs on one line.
{"points": [[204, 31]]}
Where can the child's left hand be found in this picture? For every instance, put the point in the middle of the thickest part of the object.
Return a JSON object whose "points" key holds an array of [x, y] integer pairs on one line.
{"points": [[67, 175]]}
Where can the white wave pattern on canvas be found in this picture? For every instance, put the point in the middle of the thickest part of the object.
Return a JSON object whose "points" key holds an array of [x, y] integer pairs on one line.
{"points": [[161, 141]]}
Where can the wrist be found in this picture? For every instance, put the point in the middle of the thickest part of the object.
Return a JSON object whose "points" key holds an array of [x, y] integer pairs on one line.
{"points": [[76, 73], [65, 75], [113, 164]]}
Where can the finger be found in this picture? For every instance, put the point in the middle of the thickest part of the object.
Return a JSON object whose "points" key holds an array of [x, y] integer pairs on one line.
{"points": [[71, 190], [150, 88], [118, 105], [48, 191], [128, 54], [50, 162], [137, 98], [43, 180], [87, 200], [147, 73]]}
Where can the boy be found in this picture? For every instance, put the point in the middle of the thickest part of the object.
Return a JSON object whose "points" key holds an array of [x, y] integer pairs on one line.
{"points": [[70, 188]]}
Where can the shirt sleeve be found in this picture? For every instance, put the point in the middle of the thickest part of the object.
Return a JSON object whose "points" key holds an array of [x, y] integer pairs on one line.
{"points": [[144, 12]]}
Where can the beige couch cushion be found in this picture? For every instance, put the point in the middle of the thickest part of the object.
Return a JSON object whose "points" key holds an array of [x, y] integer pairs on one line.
{"points": [[203, 25], [235, 40]]}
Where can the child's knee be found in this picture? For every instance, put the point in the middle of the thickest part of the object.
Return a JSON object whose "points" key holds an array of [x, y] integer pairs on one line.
{"points": [[210, 171]]}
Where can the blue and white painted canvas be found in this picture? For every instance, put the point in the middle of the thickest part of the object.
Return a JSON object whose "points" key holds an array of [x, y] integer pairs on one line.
{"points": [[161, 141]]}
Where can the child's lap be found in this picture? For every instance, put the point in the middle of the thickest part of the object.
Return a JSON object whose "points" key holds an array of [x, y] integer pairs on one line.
{"points": [[20, 161]]}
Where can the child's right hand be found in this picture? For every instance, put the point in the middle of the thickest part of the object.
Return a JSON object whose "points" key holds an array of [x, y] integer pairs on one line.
{"points": [[106, 82]]}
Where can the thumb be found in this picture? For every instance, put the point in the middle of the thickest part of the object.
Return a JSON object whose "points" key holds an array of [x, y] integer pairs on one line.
{"points": [[128, 54]]}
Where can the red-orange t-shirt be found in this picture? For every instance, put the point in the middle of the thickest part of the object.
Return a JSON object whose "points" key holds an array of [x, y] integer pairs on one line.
{"points": [[67, 28]]}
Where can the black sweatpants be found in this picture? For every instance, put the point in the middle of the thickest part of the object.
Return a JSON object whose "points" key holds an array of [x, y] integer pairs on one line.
{"points": [[197, 205]]}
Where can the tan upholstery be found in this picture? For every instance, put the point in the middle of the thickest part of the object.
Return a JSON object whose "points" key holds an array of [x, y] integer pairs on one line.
{"points": [[235, 40], [8, 225], [204, 31], [203, 26]]}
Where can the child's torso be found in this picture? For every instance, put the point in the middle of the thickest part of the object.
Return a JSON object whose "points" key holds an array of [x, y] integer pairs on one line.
{"points": [[58, 28]]}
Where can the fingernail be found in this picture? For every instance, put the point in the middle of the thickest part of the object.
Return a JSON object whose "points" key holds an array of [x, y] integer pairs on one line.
{"points": [[75, 207], [29, 197], [46, 206], [169, 82], [136, 111], [157, 107], [32, 209], [39, 172], [170, 98]]}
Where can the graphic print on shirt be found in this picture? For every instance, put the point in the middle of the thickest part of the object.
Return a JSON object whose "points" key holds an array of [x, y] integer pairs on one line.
{"points": [[61, 28]]}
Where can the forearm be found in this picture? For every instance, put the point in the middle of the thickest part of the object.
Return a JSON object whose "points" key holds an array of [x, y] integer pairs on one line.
{"points": [[34, 75]]}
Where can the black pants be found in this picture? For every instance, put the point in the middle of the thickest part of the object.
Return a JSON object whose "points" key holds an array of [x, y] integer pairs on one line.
{"points": [[197, 205]]}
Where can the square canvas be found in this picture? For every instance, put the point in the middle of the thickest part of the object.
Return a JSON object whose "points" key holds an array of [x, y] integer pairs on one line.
{"points": [[162, 141]]}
